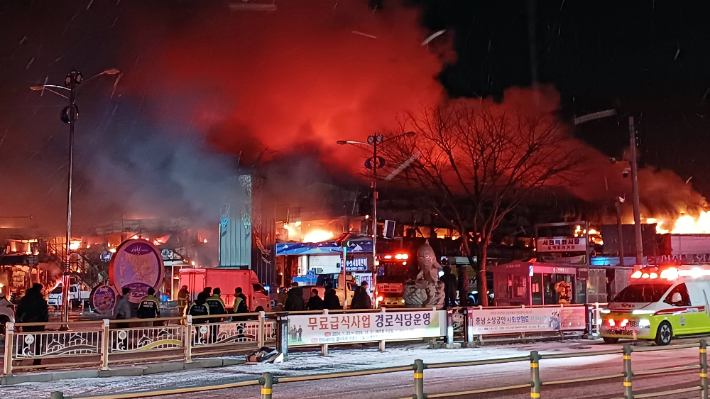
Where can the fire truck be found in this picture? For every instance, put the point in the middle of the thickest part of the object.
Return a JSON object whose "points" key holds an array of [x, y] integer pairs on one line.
{"points": [[393, 271]]}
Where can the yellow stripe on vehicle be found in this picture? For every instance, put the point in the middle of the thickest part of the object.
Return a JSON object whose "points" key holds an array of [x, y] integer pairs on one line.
{"points": [[418, 376], [266, 391], [627, 383]]}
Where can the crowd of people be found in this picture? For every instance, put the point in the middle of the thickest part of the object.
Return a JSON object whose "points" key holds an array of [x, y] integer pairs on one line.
{"points": [[453, 284], [296, 302]]}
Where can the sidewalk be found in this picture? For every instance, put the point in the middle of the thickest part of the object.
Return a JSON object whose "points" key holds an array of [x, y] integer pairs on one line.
{"points": [[176, 374]]}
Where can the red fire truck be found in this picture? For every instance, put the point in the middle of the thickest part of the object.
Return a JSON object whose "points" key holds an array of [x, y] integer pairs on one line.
{"points": [[393, 271]]}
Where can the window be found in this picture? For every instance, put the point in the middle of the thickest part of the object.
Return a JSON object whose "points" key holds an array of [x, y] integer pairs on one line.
{"points": [[258, 288], [519, 286], [683, 291], [695, 290], [503, 288], [642, 293]]}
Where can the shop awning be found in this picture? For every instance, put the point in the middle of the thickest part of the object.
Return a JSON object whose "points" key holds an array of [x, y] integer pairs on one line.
{"points": [[357, 245]]}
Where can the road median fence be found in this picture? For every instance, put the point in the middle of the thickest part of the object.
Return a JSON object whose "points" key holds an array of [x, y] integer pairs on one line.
{"points": [[104, 343], [268, 383]]}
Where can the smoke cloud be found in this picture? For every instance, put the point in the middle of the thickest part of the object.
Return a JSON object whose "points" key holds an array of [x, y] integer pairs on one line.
{"points": [[206, 92]]}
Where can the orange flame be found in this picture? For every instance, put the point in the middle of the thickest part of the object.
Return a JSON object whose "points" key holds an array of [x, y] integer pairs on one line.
{"points": [[685, 224]]}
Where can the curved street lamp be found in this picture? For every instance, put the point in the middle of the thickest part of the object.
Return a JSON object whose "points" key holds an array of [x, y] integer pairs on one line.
{"points": [[69, 115], [372, 140]]}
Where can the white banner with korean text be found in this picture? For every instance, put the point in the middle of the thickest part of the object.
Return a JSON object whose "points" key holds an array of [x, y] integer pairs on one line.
{"points": [[561, 244], [518, 320], [318, 329]]}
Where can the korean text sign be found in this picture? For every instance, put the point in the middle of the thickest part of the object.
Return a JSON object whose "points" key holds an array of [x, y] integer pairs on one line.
{"points": [[318, 329], [500, 321], [561, 244]]}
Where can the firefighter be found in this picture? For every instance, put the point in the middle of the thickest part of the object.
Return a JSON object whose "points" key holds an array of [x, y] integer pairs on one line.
{"points": [[240, 301], [183, 297], [217, 307], [149, 307], [199, 308]]}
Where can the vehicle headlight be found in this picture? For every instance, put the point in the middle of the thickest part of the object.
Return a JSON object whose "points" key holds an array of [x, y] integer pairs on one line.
{"points": [[644, 323]]}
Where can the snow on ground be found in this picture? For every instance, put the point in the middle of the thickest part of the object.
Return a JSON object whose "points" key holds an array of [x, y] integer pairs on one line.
{"points": [[301, 363]]}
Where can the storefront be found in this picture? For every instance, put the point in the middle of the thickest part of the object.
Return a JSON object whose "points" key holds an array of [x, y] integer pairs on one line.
{"points": [[534, 283], [320, 263]]}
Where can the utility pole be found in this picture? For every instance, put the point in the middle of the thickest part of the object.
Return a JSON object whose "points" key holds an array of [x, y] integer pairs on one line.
{"points": [[375, 161], [72, 79], [619, 231], [635, 193], [374, 140], [345, 276]]}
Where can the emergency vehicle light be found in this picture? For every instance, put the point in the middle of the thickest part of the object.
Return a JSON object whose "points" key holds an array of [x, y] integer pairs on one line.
{"points": [[670, 273], [694, 272], [401, 256]]}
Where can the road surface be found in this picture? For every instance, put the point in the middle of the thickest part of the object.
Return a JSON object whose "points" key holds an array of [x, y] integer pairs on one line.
{"points": [[399, 385]]}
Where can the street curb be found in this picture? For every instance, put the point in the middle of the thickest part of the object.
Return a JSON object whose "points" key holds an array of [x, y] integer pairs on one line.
{"points": [[203, 364], [19, 379], [122, 372], [72, 374], [129, 371], [231, 361], [163, 368]]}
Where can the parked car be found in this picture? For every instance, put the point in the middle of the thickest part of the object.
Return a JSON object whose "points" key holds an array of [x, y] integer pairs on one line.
{"points": [[77, 296]]}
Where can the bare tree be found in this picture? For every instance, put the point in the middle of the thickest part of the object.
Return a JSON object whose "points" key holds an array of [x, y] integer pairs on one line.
{"points": [[475, 165]]}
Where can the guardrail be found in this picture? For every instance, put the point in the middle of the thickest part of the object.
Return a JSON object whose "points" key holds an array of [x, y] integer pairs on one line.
{"points": [[268, 381], [102, 343]]}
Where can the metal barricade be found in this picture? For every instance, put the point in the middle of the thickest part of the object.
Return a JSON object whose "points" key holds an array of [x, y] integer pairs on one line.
{"points": [[66, 348], [210, 338], [140, 339]]}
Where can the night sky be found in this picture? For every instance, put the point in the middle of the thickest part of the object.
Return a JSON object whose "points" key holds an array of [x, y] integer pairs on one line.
{"points": [[203, 85], [649, 59]]}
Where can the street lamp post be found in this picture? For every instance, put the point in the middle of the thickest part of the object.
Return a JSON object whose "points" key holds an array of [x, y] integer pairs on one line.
{"points": [[69, 115], [373, 140]]}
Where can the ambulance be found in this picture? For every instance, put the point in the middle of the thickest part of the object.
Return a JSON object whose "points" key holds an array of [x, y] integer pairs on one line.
{"points": [[660, 303]]}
